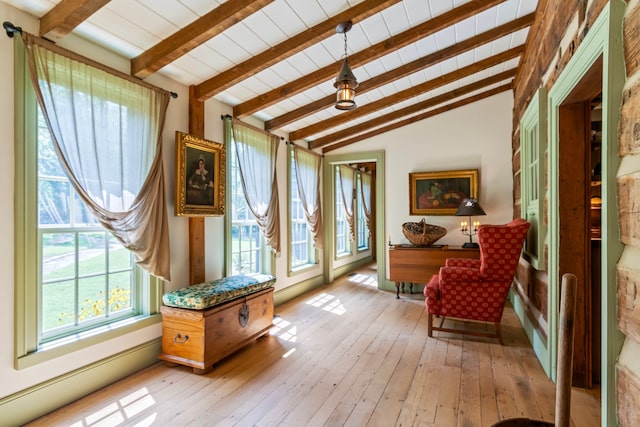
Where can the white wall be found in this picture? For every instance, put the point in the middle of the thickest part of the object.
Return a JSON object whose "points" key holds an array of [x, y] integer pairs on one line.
{"points": [[476, 136]]}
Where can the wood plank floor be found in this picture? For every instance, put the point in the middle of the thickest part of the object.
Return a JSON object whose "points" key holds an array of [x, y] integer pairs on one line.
{"points": [[344, 355]]}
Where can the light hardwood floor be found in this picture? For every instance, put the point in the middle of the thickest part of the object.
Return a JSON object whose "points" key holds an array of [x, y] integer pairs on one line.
{"points": [[346, 354]]}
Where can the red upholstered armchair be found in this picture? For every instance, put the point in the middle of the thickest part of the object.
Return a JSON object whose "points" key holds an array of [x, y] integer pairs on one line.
{"points": [[477, 289]]}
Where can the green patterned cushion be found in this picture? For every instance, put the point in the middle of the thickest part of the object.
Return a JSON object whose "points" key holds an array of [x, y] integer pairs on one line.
{"points": [[209, 294]]}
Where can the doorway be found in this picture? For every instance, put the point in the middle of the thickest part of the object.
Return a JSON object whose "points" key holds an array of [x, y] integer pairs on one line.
{"points": [[575, 254]]}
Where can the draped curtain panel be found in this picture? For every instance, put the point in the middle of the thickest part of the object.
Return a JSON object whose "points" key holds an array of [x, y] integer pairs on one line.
{"points": [[308, 165], [347, 177], [365, 190], [106, 131], [256, 151]]}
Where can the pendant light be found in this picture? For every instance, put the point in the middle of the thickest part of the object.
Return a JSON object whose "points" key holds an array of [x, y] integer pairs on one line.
{"points": [[346, 82]]}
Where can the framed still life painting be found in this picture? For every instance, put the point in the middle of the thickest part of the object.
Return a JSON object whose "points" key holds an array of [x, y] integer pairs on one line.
{"points": [[440, 193], [200, 176]]}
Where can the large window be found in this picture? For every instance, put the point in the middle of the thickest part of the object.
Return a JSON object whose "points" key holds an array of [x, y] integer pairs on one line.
{"points": [[247, 242], [361, 220], [301, 250], [87, 277], [342, 238], [75, 283]]}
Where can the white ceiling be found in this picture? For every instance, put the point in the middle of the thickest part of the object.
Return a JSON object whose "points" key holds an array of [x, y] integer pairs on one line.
{"points": [[130, 27]]}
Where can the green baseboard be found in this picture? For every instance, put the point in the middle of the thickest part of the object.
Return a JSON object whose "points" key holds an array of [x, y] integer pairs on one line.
{"points": [[283, 295], [537, 339]]}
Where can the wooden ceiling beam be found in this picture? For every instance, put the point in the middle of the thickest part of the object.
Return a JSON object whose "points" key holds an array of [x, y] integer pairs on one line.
{"points": [[412, 109], [406, 69], [404, 95], [193, 35], [289, 47], [67, 15], [358, 59], [419, 117]]}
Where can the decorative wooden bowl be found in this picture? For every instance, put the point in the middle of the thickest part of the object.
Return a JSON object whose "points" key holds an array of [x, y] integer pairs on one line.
{"points": [[421, 233]]}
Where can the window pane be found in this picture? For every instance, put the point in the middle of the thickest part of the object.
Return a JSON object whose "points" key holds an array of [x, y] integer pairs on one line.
{"points": [[120, 292], [92, 259], [58, 305], [81, 215], [91, 297], [119, 257], [53, 201], [58, 256]]}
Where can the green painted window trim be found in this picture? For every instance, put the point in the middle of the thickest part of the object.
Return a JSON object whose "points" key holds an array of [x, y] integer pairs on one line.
{"points": [[312, 260], [27, 351], [533, 144], [605, 40], [334, 238]]}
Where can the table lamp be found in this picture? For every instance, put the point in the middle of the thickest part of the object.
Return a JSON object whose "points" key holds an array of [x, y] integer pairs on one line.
{"points": [[469, 207]]}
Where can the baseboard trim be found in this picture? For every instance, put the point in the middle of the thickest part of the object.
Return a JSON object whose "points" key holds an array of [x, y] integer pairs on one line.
{"points": [[290, 292], [36, 401], [533, 330]]}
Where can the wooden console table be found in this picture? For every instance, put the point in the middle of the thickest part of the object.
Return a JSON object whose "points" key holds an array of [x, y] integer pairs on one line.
{"points": [[413, 264]]}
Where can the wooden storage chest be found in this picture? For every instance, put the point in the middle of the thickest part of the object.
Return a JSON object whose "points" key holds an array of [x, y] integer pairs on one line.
{"points": [[200, 338]]}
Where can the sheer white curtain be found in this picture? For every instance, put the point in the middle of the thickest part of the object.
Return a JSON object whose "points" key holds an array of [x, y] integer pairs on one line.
{"points": [[347, 178], [365, 191], [257, 151], [106, 131], [308, 166]]}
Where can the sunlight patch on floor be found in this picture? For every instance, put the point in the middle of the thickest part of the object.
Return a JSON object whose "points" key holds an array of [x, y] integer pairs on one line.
{"points": [[117, 413], [335, 307], [283, 329], [320, 300], [328, 303], [364, 279]]}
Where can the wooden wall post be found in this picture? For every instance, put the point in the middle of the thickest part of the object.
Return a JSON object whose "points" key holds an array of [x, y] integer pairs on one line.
{"points": [[196, 223]]}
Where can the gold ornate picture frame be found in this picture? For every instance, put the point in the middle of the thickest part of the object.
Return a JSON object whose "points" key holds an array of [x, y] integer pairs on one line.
{"points": [[200, 176], [440, 193]]}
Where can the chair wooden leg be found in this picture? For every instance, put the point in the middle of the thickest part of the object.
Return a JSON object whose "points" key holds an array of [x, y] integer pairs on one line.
{"points": [[499, 333], [430, 325]]}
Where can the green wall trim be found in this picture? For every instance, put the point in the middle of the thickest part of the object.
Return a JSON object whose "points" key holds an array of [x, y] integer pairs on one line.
{"points": [[290, 292], [603, 39], [19, 408], [537, 340], [347, 268], [328, 202]]}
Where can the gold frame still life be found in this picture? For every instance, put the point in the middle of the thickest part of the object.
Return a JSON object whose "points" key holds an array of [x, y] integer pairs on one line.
{"points": [[200, 176], [440, 193]]}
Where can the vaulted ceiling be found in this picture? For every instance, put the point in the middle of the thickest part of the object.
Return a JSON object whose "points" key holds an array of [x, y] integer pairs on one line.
{"points": [[277, 59]]}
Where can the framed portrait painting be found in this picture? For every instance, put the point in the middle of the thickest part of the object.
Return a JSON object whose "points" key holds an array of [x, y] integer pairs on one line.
{"points": [[440, 193], [200, 176]]}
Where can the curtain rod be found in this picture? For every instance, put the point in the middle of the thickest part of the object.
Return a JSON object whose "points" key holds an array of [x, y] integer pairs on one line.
{"points": [[300, 147], [12, 30], [229, 117]]}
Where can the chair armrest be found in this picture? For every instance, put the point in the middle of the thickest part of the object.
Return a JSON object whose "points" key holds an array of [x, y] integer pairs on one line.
{"points": [[459, 274], [462, 262]]}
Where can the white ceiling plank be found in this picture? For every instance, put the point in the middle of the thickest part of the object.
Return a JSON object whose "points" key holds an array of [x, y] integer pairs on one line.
{"points": [[129, 27]]}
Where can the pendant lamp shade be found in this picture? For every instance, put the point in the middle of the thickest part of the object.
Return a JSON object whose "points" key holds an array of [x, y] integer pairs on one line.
{"points": [[346, 83]]}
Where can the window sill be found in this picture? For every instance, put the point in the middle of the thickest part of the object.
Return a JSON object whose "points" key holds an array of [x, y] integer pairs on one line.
{"points": [[83, 340], [303, 268]]}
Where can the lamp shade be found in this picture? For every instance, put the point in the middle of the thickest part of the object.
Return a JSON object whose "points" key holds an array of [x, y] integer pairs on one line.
{"points": [[345, 84], [469, 207]]}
